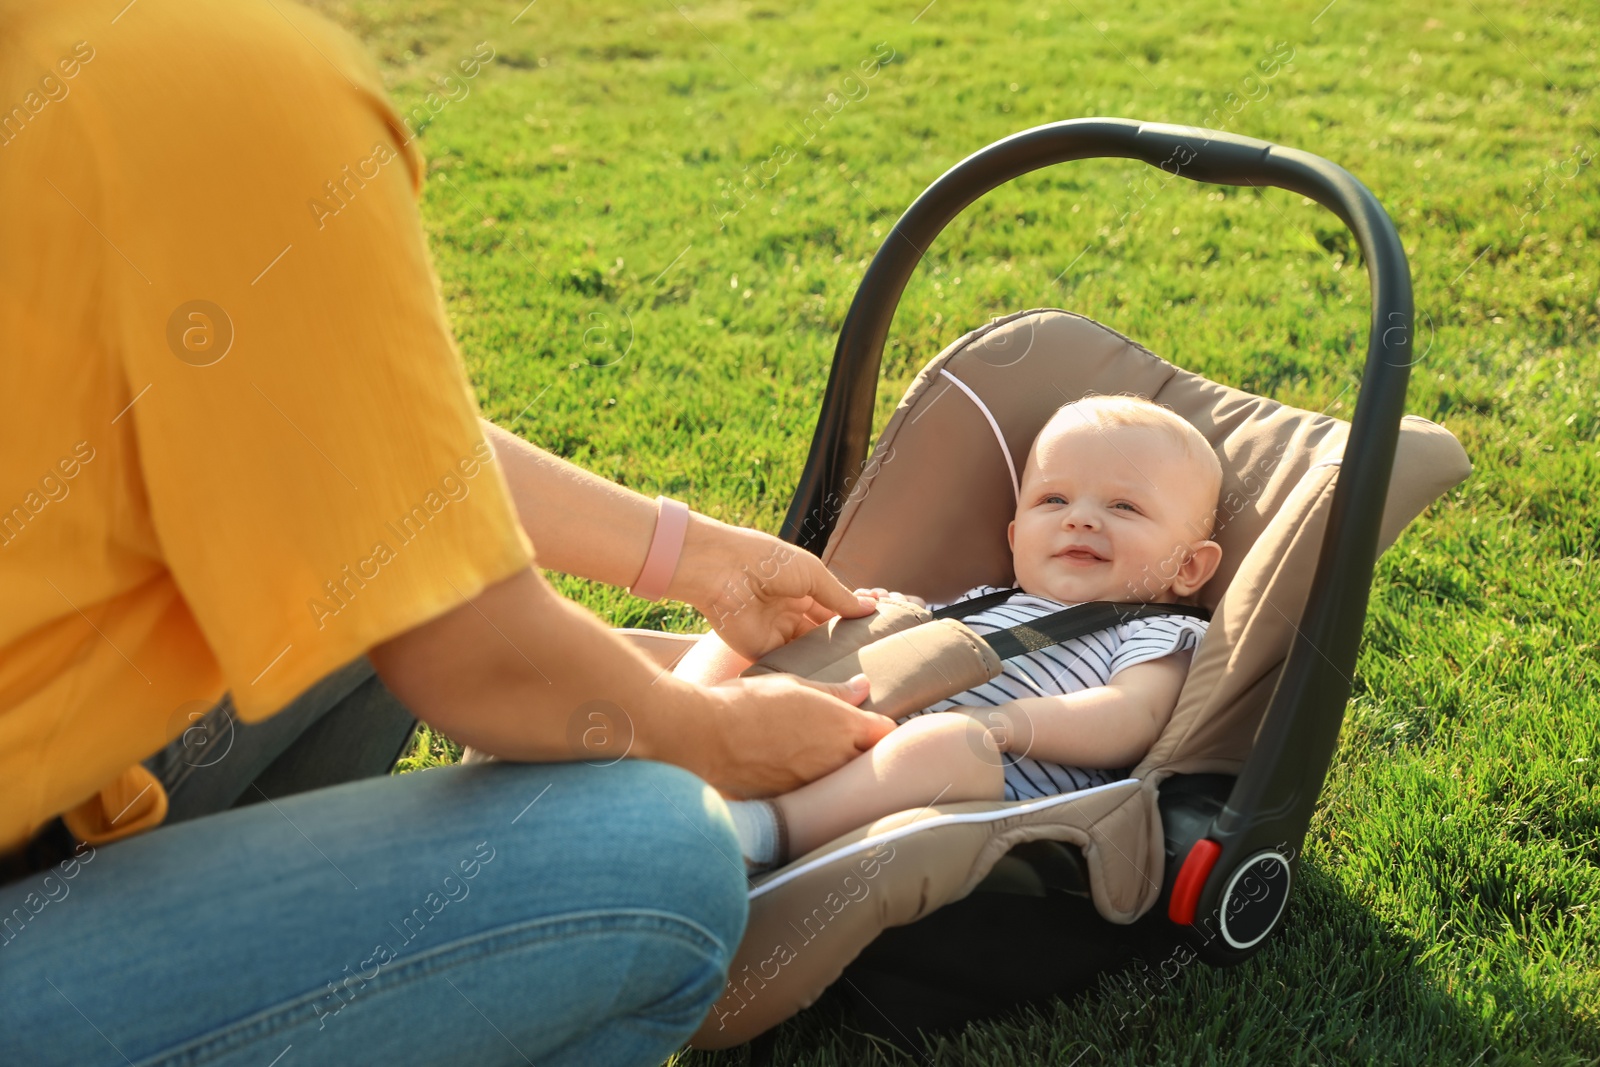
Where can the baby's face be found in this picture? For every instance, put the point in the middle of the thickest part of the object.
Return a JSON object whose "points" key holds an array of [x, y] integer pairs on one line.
{"points": [[1112, 513]]}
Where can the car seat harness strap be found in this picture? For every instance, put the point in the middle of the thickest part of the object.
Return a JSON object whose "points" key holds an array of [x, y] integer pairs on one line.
{"points": [[1060, 626], [1077, 622], [966, 608], [916, 658]]}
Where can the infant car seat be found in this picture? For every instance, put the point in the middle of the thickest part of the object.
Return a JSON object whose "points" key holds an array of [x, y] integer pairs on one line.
{"points": [[1194, 854]]}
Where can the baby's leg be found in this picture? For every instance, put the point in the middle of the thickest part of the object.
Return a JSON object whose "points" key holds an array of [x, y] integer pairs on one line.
{"points": [[709, 661], [943, 757]]}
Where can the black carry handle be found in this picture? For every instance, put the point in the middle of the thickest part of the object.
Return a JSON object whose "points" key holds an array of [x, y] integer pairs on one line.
{"points": [[1276, 791]]}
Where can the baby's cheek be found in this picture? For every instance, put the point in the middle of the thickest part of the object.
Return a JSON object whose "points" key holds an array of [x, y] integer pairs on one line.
{"points": [[1025, 551]]}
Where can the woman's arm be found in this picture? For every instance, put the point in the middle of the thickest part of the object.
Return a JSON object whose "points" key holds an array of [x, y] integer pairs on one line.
{"points": [[522, 673], [757, 591], [1113, 725], [579, 523]]}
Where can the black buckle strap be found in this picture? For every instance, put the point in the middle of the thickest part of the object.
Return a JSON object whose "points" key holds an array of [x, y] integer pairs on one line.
{"points": [[976, 604], [1060, 626]]}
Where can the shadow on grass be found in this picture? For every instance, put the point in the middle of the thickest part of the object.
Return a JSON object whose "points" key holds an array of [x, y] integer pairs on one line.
{"points": [[1331, 986]]}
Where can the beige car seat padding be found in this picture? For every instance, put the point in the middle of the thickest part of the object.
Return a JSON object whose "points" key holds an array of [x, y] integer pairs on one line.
{"points": [[838, 638], [813, 917], [1025, 366], [909, 666], [938, 461]]}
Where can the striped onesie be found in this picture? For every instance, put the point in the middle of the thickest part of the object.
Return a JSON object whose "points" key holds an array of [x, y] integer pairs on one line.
{"points": [[1081, 663]]}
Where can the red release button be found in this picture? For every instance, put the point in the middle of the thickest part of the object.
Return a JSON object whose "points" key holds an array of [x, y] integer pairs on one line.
{"points": [[1191, 879]]}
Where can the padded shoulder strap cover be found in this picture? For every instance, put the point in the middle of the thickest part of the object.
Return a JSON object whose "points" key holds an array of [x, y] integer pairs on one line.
{"points": [[838, 638], [910, 661]]}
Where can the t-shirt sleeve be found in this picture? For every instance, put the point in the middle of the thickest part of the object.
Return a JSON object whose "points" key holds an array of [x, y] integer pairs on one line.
{"points": [[308, 443], [1143, 640]]}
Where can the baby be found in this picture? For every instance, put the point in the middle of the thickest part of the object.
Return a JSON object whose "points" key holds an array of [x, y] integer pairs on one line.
{"points": [[1117, 502]]}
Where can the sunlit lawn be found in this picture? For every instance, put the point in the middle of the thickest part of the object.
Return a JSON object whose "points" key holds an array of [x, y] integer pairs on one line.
{"points": [[615, 304]]}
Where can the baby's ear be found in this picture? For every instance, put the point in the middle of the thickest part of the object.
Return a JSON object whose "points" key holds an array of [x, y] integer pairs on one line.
{"points": [[1196, 571], [1011, 535]]}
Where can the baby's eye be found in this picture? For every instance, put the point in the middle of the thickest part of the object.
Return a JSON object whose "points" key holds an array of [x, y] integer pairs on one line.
{"points": [[1124, 504], [1054, 496]]}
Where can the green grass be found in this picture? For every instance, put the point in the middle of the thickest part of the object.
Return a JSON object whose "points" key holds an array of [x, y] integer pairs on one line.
{"points": [[1447, 908]]}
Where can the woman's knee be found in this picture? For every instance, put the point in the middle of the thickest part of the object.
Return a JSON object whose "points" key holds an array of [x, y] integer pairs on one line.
{"points": [[630, 836], [682, 854], [681, 845]]}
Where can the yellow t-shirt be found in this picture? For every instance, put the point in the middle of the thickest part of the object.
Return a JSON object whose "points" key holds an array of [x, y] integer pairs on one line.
{"points": [[238, 448]]}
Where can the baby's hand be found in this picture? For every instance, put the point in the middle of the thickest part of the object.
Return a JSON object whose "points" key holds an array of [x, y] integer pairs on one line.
{"points": [[884, 594]]}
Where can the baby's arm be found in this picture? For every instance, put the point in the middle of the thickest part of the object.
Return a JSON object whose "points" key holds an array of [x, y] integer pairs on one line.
{"points": [[1113, 725]]}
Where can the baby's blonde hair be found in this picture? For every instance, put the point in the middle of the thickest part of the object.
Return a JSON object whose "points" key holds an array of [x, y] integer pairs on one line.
{"points": [[1126, 409]]}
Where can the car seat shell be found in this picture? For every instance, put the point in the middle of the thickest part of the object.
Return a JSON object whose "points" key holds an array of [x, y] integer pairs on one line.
{"points": [[1268, 685], [939, 458]]}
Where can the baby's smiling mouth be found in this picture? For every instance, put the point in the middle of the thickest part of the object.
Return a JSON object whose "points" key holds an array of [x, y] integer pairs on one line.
{"points": [[1080, 555]]}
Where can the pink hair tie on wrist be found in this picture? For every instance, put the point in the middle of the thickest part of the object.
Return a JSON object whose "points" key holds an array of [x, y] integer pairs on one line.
{"points": [[672, 520]]}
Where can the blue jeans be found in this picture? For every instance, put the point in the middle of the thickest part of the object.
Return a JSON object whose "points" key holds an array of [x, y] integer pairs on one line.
{"points": [[496, 913]]}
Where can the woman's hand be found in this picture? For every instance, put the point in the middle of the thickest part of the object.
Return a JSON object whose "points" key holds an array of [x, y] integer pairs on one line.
{"points": [[776, 732], [595, 697], [757, 591]]}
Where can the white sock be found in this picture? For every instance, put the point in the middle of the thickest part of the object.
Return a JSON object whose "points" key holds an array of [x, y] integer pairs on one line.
{"points": [[762, 834]]}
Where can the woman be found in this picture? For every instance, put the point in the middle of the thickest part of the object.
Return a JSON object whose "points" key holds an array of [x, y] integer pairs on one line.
{"points": [[242, 457]]}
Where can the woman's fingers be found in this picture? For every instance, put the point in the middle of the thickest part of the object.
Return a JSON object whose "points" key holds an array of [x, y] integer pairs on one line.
{"points": [[782, 731], [879, 593], [853, 691], [828, 591], [817, 615], [871, 727]]}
